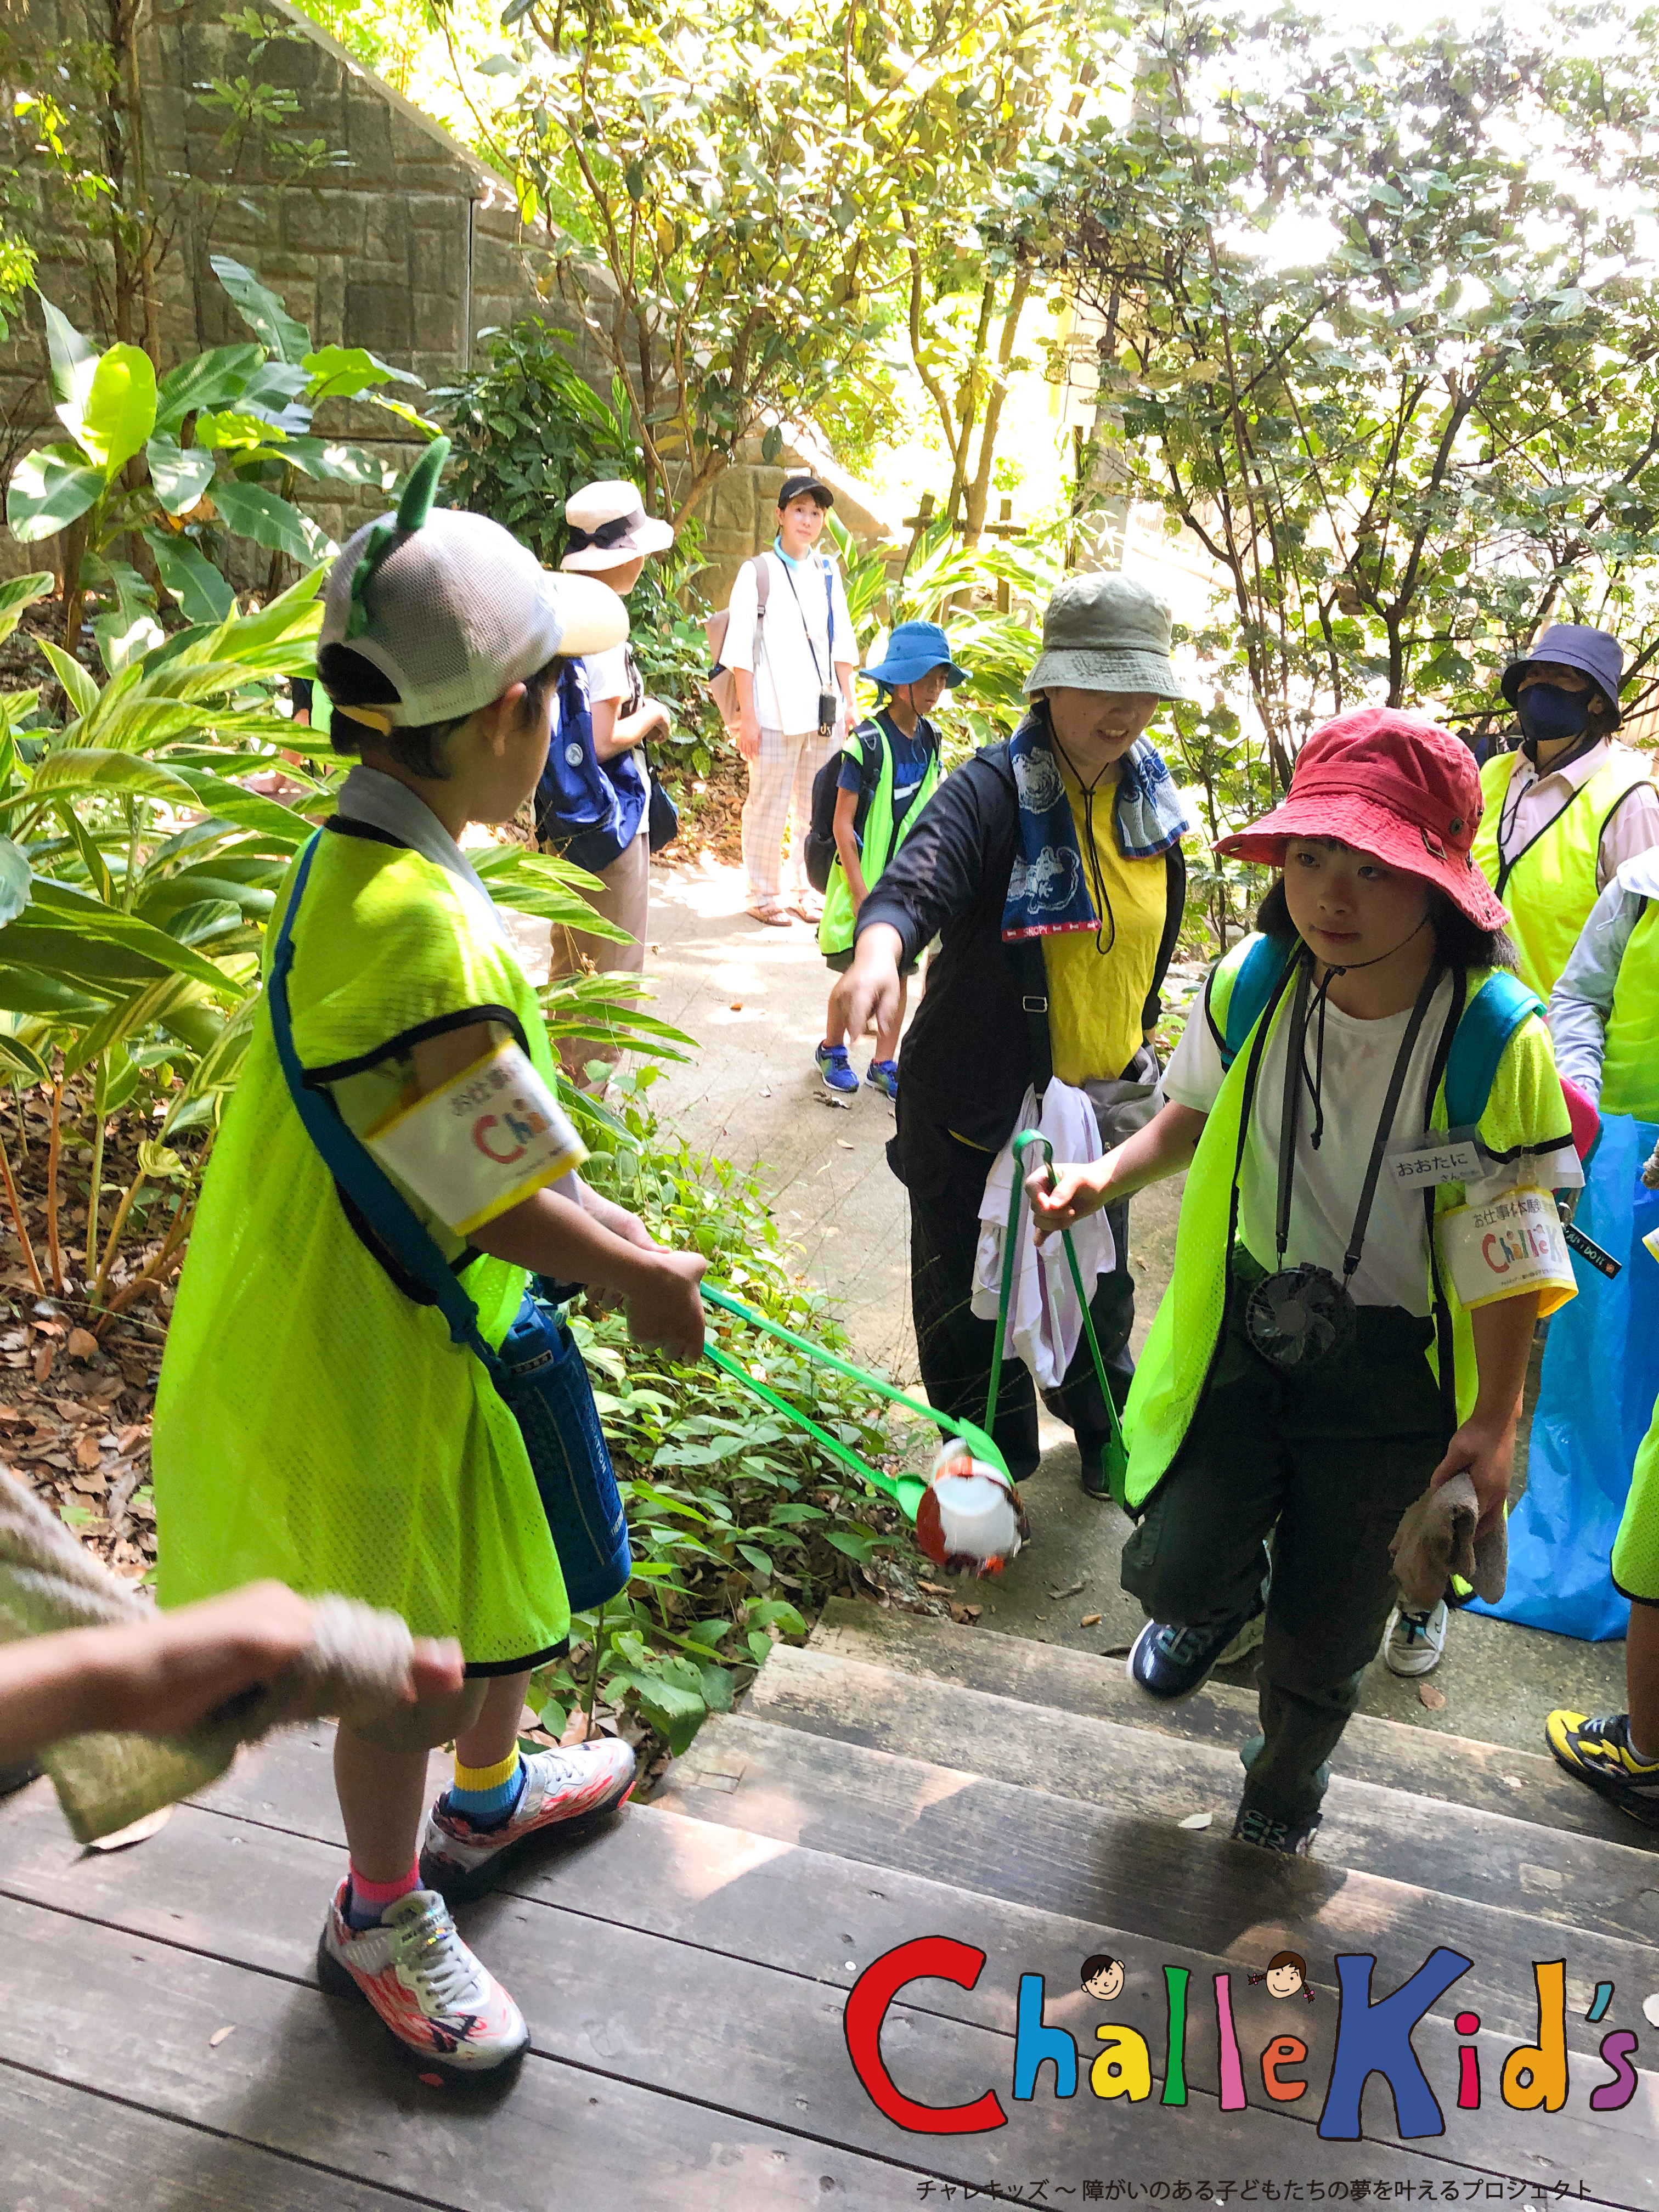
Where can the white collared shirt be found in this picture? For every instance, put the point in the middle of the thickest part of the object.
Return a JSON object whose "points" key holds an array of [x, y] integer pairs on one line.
{"points": [[1533, 801]]}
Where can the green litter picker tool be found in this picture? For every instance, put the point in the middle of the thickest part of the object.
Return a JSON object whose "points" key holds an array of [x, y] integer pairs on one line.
{"points": [[906, 1489]]}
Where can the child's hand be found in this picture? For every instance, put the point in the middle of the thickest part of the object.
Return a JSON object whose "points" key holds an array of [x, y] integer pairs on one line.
{"points": [[1062, 1196], [1484, 1452], [667, 1313]]}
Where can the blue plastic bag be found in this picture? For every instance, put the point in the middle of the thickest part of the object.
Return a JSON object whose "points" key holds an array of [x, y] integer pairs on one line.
{"points": [[1595, 1405]]}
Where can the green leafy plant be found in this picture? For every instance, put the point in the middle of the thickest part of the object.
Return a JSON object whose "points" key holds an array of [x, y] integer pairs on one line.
{"points": [[212, 451]]}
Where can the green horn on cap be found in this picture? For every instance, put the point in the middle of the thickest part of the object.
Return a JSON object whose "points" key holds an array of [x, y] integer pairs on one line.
{"points": [[413, 510]]}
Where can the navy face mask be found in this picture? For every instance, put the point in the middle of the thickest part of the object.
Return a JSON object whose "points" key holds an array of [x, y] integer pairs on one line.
{"points": [[1547, 713]]}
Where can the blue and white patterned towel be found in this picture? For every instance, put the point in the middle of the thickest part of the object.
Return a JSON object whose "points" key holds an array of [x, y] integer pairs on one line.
{"points": [[1048, 890]]}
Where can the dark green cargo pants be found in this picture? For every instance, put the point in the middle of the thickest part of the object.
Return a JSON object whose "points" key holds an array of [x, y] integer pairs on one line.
{"points": [[1325, 1463]]}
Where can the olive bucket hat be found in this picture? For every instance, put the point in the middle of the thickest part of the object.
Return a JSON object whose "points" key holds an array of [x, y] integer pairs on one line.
{"points": [[1101, 632]]}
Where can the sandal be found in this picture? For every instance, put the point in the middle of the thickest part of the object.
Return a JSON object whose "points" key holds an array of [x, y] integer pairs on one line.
{"points": [[809, 906], [775, 917]]}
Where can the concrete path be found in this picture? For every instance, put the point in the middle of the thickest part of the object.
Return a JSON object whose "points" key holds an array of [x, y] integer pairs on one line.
{"points": [[754, 998]]}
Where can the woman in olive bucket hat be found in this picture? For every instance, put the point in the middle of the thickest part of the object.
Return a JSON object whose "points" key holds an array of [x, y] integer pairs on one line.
{"points": [[1049, 867]]}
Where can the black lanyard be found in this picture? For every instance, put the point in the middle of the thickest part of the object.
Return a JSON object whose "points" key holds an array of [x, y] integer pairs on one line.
{"points": [[1296, 1075], [824, 684]]}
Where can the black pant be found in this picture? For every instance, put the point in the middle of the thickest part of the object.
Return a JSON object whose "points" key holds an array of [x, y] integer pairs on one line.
{"points": [[1329, 1460], [945, 1179]]}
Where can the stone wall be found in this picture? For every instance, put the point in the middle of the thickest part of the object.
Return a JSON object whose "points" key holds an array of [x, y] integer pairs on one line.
{"points": [[408, 246]]}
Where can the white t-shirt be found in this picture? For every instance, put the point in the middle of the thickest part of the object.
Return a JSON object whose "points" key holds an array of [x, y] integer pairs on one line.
{"points": [[610, 674], [1359, 1058], [787, 678]]}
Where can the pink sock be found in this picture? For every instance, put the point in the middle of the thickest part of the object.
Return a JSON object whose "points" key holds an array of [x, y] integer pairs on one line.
{"points": [[367, 1900]]}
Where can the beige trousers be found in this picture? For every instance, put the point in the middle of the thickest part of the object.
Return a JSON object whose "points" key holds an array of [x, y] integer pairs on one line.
{"points": [[780, 788], [624, 897]]}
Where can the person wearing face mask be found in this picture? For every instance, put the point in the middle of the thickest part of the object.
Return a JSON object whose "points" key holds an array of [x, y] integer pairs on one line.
{"points": [[1049, 867], [1565, 812]]}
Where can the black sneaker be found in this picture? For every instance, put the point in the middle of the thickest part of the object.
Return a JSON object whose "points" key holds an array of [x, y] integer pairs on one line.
{"points": [[1292, 1840], [1167, 1661], [1091, 1470], [1599, 1751]]}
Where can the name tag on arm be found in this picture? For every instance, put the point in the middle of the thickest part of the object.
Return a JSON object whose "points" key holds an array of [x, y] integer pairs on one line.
{"points": [[481, 1142], [1421, 1163]]}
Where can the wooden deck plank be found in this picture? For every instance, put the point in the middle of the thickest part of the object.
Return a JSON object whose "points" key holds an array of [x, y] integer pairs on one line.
{"points": [[1576, 1881], [63, 2149], [677, 2002], [310, 2076], [1461, 1770], [1176, 1886]]}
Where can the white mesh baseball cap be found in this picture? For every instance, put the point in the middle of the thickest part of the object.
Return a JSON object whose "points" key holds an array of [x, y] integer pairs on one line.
{"points": [[452, 608]]}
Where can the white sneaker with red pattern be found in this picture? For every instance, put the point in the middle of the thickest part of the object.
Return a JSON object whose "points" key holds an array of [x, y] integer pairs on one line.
{"points": [[575, 1782], [443, 2006]]}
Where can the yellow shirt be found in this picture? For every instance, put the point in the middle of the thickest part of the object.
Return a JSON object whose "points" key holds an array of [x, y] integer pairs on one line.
{"points": [[1096, 1000]]}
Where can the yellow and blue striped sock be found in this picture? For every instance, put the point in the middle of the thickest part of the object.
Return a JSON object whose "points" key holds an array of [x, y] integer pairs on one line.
{"points": [[488, 1796]]}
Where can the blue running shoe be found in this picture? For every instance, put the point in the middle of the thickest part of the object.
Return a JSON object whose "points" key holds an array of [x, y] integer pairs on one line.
{"points": [[836, 1069], [1167, 1661], [883, 1075]]}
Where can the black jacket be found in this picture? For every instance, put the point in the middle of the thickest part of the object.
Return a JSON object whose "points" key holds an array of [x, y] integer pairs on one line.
{"points": [[968, 1058]]}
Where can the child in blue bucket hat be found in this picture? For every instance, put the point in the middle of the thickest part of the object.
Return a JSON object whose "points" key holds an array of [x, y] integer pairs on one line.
{"points": [[889, 766]]}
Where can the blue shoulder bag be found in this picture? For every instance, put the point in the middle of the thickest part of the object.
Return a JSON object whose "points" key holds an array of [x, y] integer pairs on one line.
{"points": [[538, 1371]]}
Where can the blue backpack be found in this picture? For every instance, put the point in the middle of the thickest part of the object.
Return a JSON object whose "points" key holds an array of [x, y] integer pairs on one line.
{"points": [[577, 803], [1488, 1023]]}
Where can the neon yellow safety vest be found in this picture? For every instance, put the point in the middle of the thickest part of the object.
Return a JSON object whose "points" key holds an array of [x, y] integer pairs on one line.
{"points": [[1550, 886], [838, 921], [1172, 1374], [1629, 1059], [312, 1422]]}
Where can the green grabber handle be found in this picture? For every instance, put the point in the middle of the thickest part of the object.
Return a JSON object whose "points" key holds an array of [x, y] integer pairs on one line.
{"points": [[1117, 1451], [905, 1489]]}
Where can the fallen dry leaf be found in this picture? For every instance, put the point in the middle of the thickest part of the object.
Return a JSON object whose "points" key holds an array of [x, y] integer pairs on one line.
{"points": [[136, 1834], [1198, 1821], [88, 1454], [1090, 1621], [218, 2037], [43, 1359], [1431, 1698], [737, 1006], [845, 1144], [82, 1344], [933, 1590], [1070, 1590]]}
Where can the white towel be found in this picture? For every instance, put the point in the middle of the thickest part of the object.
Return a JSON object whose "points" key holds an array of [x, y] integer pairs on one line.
{"points": [[1045, 1321]]}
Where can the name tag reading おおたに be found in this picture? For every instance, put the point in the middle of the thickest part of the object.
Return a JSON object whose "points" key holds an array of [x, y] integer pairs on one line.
{"points": [[1421, 1163], [483, 1141]]}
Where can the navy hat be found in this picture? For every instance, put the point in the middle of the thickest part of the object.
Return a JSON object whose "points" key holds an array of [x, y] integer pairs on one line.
{"points": [[793, 488], [914, 649], [1592, 652]]}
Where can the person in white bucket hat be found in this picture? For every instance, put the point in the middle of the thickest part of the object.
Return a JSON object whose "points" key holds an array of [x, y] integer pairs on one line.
{"points": [[597, 803], [316, 1422]]}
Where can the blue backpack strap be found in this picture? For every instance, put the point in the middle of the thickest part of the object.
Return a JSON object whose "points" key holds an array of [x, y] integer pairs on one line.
{"points": [[1253, 985], [382, 1205], [1490, 1020]]}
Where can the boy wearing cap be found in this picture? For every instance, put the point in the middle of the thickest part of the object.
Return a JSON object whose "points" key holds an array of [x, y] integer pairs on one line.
{"points": [[889, 768], [1321, 1358], [315, 1423], [1050, 869], [792, 664], [594, 802], [1563, 813]]}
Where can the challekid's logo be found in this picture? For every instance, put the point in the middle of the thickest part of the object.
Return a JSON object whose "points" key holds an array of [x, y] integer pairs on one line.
{"points": [[1374, 2036]]}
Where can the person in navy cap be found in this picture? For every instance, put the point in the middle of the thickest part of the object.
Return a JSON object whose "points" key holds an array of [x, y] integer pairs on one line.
{"points": [[889, 768], [1563, 811]]}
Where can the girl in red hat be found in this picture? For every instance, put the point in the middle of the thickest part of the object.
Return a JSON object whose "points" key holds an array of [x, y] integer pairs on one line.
{"points": [[1367, 1105]]}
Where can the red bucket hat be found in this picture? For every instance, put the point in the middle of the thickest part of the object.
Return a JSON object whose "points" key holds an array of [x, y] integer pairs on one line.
{"points": [[1390, 784]]}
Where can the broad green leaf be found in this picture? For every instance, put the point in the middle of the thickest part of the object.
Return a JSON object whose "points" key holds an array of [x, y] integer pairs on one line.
{"points": [[48, 488], [248, 810], [230, 431], [322, 458], [79, 688], [16, 877], [73, 364], [262, 310], [156, 1002], [20, 592], [27, 989], [179, 475], [207, 380], [205, 919], [126, 635], [274, 397], [63, 910], [202, 593], [18, 1060], [120, 408], [81, 837], [90, 769], [253, 512], [342, 371]]}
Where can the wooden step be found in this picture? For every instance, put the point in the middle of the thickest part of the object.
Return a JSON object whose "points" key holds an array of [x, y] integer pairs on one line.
{"points": [[1173, 1885], [1575, 1881], [1427, 1762], [716, 1963]]}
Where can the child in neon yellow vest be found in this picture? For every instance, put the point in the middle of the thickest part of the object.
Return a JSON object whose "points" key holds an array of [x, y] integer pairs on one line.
{"points": [[314, 1422], [890, 768], [1314, 1367]]}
